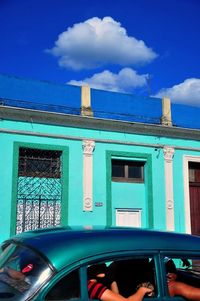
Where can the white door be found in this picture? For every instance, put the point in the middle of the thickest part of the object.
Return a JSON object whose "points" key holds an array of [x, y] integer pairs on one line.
{"points": [[128, 217]]}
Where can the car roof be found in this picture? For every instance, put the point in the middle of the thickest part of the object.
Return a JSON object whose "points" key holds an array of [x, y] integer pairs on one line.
{"points": [[63, 246]]}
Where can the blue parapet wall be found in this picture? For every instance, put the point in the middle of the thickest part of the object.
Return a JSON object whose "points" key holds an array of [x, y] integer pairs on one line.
{"points": [[61, 98], [39, 95], [185, 116], [126, 107]]}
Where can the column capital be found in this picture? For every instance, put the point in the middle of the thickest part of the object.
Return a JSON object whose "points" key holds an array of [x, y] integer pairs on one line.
{"points": [[168, 152], [88, 147]]}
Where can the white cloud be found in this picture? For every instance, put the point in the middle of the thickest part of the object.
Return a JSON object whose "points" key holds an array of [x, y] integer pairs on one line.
{"points": [[125, 81], [98, 42], [187, 92]]}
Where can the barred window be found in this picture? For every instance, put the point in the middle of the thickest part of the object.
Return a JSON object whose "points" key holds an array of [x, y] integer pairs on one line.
{"points": [[39, 163]]}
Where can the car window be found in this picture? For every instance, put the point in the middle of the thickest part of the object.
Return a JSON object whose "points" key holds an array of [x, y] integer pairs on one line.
{"points": [[66, 288], [22, 272], [124, 276], [183, 276], [127, 274]]}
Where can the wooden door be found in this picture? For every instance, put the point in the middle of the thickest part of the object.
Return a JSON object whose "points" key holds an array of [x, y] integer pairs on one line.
{"points": [[194, 169], [195, 209]]}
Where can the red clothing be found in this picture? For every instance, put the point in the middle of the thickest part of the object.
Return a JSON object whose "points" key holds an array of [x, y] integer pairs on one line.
{"points": [[95, 289]]}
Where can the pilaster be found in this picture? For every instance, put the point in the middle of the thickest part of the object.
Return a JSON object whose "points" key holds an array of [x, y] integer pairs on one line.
{"points": [[88, 148], [169, 194]]}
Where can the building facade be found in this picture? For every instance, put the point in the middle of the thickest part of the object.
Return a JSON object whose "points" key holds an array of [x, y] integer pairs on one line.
{"points": [[78, 156]]}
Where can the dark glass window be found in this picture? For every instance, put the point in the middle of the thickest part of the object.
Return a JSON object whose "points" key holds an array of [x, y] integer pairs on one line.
{"points": [[194, 172], [121, 270], [66, 288], [127, 171], [118, 169]]}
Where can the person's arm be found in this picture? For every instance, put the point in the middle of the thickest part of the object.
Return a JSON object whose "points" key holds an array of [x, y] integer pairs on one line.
{"points": [[187, 291], [14, 274], [108, 295]]}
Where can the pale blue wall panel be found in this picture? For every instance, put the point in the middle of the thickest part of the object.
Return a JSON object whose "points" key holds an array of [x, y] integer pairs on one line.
{"points": [[6, 170], [129, 196], [178, 185], [158, 180]]}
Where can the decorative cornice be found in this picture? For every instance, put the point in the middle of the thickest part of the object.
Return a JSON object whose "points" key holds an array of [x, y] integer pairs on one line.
{"points": [[52, 118]]}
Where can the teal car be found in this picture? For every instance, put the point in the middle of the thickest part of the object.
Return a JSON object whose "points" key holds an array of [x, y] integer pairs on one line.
{"points": [[53, 264]]}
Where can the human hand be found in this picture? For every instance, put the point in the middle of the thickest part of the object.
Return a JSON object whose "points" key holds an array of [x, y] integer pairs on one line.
{"points": [[147, 288], [15, 274]]}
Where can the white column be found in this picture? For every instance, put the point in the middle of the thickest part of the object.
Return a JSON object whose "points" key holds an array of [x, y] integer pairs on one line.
{"points": [[88, 148], [169, 194], [86, 109]]}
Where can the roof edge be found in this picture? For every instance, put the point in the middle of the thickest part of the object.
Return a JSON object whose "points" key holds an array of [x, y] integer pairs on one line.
{"points": [[52, 118]]}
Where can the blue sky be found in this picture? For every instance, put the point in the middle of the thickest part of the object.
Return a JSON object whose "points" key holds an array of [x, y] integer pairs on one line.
{"points": [[147, 47]]}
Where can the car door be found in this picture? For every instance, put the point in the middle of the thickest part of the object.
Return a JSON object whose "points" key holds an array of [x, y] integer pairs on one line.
{"points": [[129, 269]]}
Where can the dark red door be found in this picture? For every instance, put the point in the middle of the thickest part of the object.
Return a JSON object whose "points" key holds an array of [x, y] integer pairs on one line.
{"points": [[195, 209], [195, 197]]}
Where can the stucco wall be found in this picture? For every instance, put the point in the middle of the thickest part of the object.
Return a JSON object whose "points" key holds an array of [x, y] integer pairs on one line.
{"points": [[109, 195]]}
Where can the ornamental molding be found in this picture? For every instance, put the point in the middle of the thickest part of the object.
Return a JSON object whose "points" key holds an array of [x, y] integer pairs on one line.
{"points": [[87, 204], [170, 204], [168, 152], [88, 148]]}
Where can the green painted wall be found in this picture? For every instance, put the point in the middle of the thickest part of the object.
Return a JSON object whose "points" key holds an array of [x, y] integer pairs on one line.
{"points": [[106, 195]]}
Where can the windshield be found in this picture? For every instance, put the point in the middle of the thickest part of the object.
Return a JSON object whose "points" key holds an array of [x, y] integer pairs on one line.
{"points": [[22, 272]]}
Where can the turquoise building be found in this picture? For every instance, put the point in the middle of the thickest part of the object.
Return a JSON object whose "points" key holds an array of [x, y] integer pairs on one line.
{"points": [[78, 156]]}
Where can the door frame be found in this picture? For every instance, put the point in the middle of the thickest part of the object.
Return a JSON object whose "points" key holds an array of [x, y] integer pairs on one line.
{"points": [[186, 160], [147, 158], [65, 179]]}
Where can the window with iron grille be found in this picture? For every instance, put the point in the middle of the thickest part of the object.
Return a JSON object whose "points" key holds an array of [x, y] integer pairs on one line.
{"points": [[39, 189], [127, 171], [40, 163]]}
